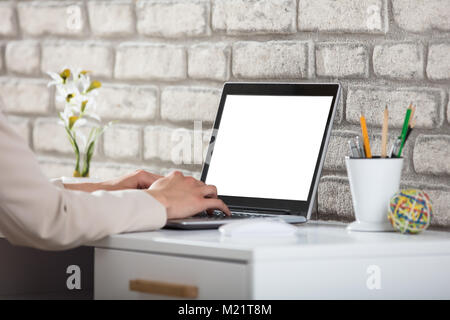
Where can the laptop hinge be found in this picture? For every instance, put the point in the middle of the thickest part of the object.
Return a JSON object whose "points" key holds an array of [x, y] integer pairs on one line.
{"points": [[259, 210]]}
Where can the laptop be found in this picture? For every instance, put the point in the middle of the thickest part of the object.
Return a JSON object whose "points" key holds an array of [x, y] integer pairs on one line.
{"points": [[266, 151]]}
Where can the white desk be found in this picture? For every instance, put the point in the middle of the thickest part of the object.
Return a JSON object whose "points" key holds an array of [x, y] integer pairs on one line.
{"points": [[323, 261]]}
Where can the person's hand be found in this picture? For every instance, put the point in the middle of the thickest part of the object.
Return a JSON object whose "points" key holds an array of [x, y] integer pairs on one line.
{"points": [[185, 196], [139, 179]]}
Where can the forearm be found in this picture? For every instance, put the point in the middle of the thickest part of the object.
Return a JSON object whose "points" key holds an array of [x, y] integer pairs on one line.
{"points": [[91, 186]]}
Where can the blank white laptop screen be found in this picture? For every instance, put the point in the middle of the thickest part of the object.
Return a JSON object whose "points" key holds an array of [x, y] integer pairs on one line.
{"points": [[268, 146]]}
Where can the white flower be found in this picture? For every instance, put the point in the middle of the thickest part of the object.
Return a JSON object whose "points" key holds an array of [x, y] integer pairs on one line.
{"points": [[82, 80], [56, 79]]}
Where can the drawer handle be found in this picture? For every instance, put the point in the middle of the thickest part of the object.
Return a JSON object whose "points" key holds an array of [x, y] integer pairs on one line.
{"points": [[164, 288]]}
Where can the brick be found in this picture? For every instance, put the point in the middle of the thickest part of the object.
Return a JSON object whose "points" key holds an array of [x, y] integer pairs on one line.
{"points": [[49, 136], [334, 198], [438, 67], [110, 170], [431, 154], [51, 18], [399, 61], [441, 203], [338, 149], [95, 57], [189, 103], [122, 141], [422, 15], [368, 16], [250, 16], [342, 60], [22, 126], [56, 168], [371, 101], [172, 18], [111, 18], [177, 145], [448, 110], [24, 95], [23, 57], [272, 59], [150, 62], [339, 115], [7, 22], [117, 101], [209, 61]]}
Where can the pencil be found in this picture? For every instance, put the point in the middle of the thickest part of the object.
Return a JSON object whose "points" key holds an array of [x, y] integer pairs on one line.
{"points": [[365, 137], [404, 130], [384, 133], [413, 112]]}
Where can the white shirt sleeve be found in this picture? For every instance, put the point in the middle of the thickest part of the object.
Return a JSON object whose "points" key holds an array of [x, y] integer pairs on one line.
{"points": [[37, 213]]}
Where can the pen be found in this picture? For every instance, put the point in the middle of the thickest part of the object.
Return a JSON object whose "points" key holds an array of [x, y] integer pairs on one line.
{"points": [[395, 148], [360, 147], [353, 149], [365, 137], [384, 133], [404, 130]]}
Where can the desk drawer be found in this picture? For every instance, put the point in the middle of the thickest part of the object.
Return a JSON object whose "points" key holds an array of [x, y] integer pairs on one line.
{"points": [[132, 275]]}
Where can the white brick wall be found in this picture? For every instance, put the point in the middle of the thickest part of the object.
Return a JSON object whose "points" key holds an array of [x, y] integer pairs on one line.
{"points": [[422, 15], [51, 17], [96, 57], [127, 102], [432, 154], [122, 141], [1, 58], [7, 23], [108, 18], [189, 103], [49, 136], [24, 95], [209, 61], [150, 62], [398, 60], [249, 16], [23, 57], [342, 60], [173, 18], [438, 67], [371, 101], [367, 16], [163, 64], [270, 60], [176, 145]]}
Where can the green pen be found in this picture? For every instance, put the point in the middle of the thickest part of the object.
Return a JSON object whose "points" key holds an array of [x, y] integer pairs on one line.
{"points": [[404, 130]]}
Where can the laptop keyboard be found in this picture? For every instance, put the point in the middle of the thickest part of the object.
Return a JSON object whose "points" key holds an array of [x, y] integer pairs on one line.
{"points": [[219, 215]]}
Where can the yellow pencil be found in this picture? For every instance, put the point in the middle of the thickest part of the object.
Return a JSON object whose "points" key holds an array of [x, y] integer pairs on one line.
{"points": [[413, 111], [365, 137], [384, 133]]}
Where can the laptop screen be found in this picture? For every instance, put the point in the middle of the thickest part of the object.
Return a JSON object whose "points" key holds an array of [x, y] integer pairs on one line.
{"points": [[268, 146]]}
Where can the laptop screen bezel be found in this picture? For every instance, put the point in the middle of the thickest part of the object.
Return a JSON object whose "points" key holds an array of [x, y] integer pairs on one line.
{"points": [[297, 207]]}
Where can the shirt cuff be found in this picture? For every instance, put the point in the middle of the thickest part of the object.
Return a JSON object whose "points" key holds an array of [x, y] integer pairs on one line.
{"points": [[149, 213], [57, 182]]}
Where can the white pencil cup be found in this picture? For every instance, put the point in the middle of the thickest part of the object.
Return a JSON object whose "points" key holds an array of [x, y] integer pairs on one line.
{"points": [[372, 183]]}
